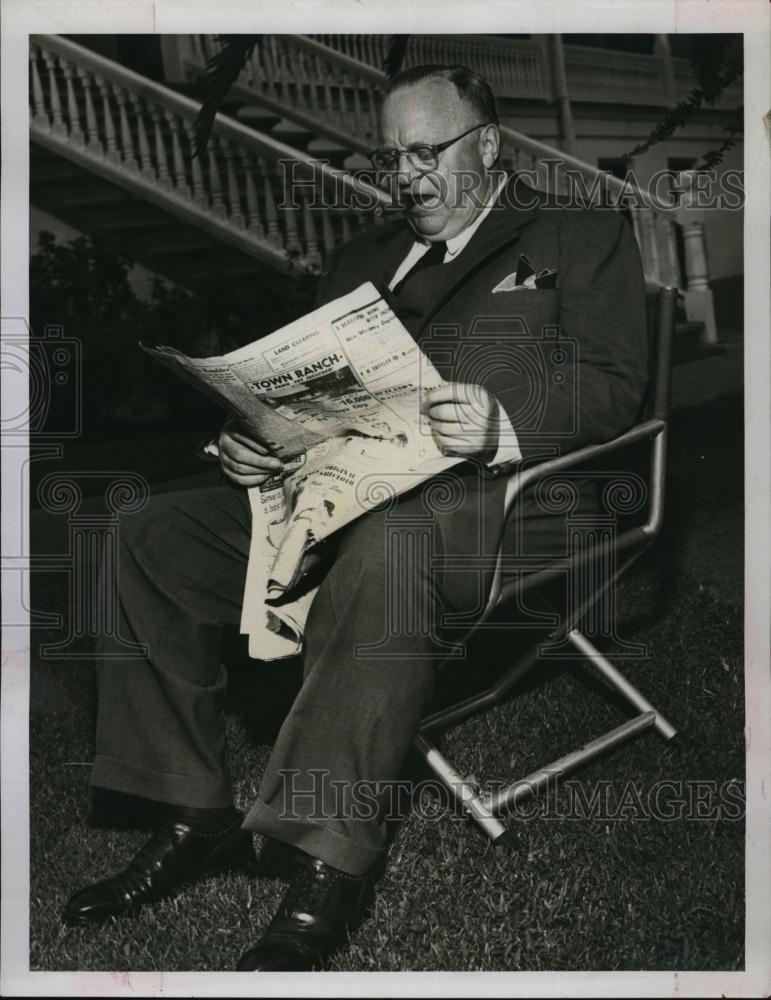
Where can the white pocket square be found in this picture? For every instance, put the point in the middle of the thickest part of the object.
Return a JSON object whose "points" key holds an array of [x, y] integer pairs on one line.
{"points": [[509, 284]]}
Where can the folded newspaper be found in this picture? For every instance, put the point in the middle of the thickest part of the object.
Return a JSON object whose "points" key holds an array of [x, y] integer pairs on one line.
{"points": [[336, 395]]}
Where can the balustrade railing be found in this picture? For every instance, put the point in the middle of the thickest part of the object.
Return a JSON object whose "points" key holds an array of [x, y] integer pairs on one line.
{"points": [[140, 135], [514, 67], [619, 77], [287, 67], [295, 76]]}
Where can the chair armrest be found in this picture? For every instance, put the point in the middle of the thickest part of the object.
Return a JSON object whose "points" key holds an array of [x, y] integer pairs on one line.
{"points": [[520, 479]]}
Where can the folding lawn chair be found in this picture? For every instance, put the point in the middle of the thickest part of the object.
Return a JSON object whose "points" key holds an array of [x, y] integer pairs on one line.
{"points": [[619, 550]]}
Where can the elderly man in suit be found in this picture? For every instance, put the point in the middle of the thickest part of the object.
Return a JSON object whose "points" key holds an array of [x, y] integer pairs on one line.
{"points": [[449, 269]]}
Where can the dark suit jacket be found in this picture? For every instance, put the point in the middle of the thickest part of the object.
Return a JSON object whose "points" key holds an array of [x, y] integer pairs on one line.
{"points": [[568, 364]]}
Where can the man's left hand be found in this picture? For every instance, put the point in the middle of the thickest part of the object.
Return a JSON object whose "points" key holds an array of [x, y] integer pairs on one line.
{"points": [[464, 419]]}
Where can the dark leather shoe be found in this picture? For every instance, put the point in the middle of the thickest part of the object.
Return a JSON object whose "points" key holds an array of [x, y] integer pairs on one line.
{"points": [[318, 911], [175, 855]]}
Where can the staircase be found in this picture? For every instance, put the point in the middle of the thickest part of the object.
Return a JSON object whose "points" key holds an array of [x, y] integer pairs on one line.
{"points": [[302, 105], [113, 150]]}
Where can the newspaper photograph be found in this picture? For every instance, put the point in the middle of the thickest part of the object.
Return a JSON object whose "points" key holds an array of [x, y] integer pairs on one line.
{"points": [[336, 396]]}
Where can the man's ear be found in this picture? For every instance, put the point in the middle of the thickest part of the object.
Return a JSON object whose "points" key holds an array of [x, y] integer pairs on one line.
{"points": [[490, 145]]}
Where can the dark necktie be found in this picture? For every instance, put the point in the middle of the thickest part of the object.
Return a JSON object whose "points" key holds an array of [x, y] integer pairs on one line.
{"points": [[434, 255]]}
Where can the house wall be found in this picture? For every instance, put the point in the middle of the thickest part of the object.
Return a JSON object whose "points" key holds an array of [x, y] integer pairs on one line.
{"points": [[608, 132]]}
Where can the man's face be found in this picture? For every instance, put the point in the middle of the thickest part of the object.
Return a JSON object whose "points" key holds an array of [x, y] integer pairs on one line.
{"points": [[443, 201]]}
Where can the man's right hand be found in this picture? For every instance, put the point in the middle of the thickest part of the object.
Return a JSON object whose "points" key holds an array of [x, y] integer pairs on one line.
{"points": [[243, 458]]}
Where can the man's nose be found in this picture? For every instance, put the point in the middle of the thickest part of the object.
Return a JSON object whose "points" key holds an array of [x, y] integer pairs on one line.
{"points": [[405, 171]]}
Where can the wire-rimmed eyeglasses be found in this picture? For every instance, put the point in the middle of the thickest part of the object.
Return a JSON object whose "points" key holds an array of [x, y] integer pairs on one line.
{"points": [[421, 155]]}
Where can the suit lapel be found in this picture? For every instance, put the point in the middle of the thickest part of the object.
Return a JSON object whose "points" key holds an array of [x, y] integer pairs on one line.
{"points": [[502, 227]]}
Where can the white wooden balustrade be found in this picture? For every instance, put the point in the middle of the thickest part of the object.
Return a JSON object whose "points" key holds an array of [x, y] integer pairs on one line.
{"points": [[139, 135], [328, 75], [514, 67]]}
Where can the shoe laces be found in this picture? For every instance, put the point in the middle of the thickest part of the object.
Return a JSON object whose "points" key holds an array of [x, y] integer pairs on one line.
{"points": [[309, 885]]}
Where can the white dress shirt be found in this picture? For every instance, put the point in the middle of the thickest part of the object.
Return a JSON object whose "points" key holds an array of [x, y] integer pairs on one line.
{"points": [[508, 447]]}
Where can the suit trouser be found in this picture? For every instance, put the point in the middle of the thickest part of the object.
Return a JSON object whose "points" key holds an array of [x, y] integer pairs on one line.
{"points": [[373, 641]]}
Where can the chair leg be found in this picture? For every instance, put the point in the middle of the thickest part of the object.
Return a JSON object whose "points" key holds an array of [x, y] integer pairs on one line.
{"points": [[539, 780], [465, 793], [617, 680]]}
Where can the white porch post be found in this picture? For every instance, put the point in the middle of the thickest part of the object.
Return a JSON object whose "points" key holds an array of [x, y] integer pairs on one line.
{"points": [[699, 304]]}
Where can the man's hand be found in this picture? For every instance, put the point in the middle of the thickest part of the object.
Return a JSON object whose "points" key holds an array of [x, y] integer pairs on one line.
{"points": [[464, 419], [243, 458]]}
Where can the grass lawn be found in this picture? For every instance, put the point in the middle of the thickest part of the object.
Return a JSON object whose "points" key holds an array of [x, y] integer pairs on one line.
{"points": [[623, 888]]}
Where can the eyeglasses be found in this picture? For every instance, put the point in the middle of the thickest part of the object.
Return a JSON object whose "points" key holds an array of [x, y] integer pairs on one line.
{"points": [[421, 155]]}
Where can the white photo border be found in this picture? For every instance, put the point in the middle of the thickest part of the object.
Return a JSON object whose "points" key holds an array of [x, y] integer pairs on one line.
{"points": [[749, 17]]}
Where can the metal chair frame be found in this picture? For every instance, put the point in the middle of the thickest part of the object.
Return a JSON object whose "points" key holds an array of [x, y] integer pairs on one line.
{"points": [[484, 807]]}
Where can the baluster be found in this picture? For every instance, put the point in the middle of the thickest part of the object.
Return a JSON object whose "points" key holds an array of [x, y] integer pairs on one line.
{"points": [[145, 163], [292, 86], [272, 61], [257, 68], [234, 194], [327, 231], [271, 213], [343, 108], [94, 144], [306, 87], [199, 190], [57, 125], [370, 114], [109, 122], [215, 180], [181, 187], [328, 96], [38, 95], [312, 255], [252, 205], [164, 179], [126, 138], [246, 77], [465, 56], [414, 54], [290, 224], [500, 69], [314, 77], [358, 120], [670, 266], [281, 75], [303, 78], [73, 112]]}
